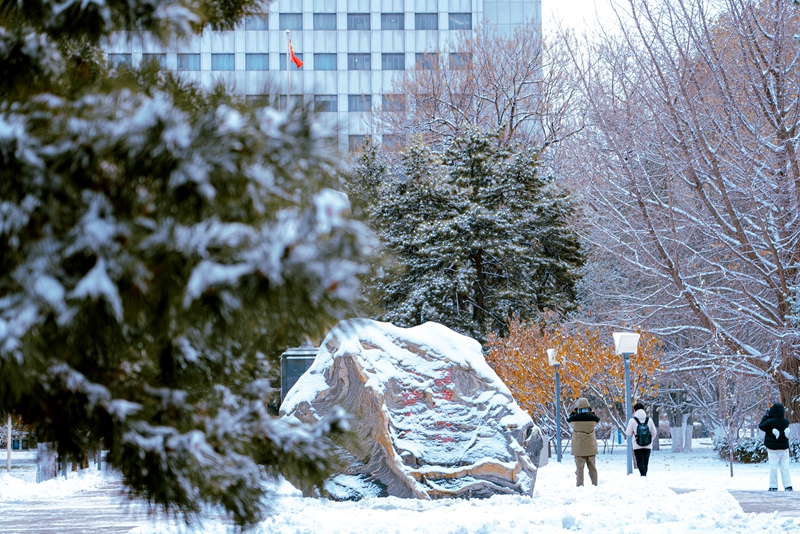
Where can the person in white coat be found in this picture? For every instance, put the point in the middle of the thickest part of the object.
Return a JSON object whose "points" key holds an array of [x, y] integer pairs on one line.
{"points": [[641, 452]]}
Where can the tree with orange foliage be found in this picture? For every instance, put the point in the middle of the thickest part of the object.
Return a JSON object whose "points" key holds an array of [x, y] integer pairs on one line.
{"points": [[589, 368]]}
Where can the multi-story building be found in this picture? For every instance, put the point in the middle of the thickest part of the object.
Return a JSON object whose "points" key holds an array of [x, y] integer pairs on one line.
{"points": [[351, 50]]}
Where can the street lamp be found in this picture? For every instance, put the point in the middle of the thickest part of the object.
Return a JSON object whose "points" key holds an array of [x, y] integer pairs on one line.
{"points": [[551, 358], [626, 343]]}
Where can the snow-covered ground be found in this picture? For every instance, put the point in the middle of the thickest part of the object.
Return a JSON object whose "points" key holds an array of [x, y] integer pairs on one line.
{"points": [[620, 504]]}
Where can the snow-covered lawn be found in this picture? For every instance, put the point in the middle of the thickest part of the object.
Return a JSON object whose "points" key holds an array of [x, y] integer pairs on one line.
{"points": [[620, 504], [19, 486]]}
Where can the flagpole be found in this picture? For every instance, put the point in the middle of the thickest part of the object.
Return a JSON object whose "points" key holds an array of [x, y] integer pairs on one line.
{"points": [[288, 72]]}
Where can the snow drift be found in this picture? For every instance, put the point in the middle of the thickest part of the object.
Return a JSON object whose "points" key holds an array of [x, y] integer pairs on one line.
{"points": [[430, 417]]}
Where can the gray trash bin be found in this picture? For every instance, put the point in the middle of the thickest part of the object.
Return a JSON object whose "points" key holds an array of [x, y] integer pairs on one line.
{"points": [[295, 362]]}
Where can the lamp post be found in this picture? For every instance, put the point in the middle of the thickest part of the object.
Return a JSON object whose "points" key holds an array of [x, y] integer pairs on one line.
{"points": [[551, 357], [626, 343]]}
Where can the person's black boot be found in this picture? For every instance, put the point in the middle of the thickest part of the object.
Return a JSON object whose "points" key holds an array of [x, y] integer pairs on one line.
{"points": [[773, 489], [788, 489]]}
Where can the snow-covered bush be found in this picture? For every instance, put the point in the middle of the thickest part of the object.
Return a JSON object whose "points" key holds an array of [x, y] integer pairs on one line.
{"points": [[752, 450], [794, 449], [746, 450]]}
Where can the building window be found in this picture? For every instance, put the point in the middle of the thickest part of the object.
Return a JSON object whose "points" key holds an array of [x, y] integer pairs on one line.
{"points": [[257, 22], [158, 59], [392, 21], [261, 101], [256, 61], [324, 21], [15, 442], [394, 141], [426, 21], [188, 61], [460, 21], [359, 62], [427, 61], [459, 60], [223, 62], [324, 61], [325, 103], [393, 61], [290, 21], [355, 143], [296, 101], [393, 102], [359, 102], [118, 60], [282, 61], [358, 21]]}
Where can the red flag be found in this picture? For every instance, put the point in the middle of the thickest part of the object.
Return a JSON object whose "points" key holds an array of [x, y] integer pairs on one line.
{"points": [[293, 58]]}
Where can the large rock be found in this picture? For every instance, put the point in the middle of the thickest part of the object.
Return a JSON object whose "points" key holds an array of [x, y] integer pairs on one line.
{"points": [[431, 418]]}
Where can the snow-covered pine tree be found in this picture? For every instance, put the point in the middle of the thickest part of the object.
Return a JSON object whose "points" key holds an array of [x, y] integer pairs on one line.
{"points": [[478, 233], [160, 245], [364, 190]]}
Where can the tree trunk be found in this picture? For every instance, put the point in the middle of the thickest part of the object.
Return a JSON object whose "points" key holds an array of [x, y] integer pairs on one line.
{"points": [[688, 432], [45, 462], [789, 388], [730, 455], [656, 446], [675, 429], [478, 308], [8, 445], [677, 438]]}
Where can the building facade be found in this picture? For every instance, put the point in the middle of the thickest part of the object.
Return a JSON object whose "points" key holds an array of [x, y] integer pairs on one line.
{"points": [[352, 50]]}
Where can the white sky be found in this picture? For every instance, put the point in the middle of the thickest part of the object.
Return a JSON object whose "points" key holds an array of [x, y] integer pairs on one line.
{"points": [[576, 14]]}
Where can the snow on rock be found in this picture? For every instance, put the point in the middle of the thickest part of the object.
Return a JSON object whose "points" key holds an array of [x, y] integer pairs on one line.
{"points": [[431, 418]]}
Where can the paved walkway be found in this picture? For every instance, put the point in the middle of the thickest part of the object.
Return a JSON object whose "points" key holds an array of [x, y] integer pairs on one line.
{"points": [[103, 510], [785, 503]]}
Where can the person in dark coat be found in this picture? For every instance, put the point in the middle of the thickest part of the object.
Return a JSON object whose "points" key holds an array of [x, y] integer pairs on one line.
{"points": [[584, 440], [776, 440]]}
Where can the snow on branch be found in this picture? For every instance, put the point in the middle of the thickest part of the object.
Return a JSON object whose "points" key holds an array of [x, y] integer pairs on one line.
{"points": [[97, 284]]}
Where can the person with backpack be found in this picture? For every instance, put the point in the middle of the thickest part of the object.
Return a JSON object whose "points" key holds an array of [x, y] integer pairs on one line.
{"points": [[642, 429], [584, 440], [776, 440]]}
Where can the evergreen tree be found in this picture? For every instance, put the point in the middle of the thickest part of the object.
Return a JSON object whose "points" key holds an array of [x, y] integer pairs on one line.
{"points": [[478, 233], [364, 191], [160, 245]]}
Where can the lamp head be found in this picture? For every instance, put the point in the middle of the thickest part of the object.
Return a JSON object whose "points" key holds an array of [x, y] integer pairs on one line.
{"points": [[625, 342], [551, 357]]}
